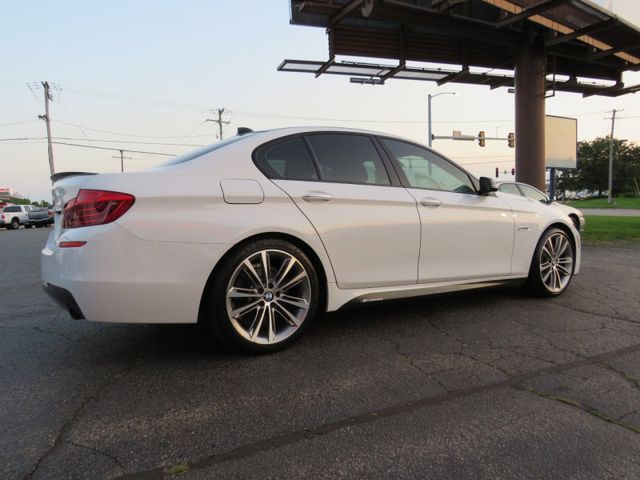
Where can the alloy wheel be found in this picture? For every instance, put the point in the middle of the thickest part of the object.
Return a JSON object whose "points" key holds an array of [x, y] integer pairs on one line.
{"points": [[268, 296], [556, 262]]}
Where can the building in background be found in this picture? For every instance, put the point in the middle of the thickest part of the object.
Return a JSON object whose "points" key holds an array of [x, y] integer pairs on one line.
{"points": [[6, 192]]}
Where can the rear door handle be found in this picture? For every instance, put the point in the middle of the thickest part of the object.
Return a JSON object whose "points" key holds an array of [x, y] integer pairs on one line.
{"points": [[430, 202], [316, 197]]}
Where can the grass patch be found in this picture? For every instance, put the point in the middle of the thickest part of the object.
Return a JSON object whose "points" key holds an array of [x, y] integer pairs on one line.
{"points": [[611, 229], [177, 470], [618, 202]]}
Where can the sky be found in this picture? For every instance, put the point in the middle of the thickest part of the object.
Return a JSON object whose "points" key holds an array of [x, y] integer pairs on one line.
{"points": [[153, 72]]}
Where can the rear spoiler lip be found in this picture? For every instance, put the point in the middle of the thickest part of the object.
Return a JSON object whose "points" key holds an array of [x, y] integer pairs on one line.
{"points": [[59, 176]]}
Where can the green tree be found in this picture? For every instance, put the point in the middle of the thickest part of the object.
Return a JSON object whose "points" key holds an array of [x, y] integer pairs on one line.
{"points": [[18, 201], [593, 168]]}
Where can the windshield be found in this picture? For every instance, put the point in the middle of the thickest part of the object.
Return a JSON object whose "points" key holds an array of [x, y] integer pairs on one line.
{"points": [[193, 154]]}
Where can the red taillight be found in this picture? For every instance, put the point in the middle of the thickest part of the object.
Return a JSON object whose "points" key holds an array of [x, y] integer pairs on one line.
{"points": [[95, 207]]}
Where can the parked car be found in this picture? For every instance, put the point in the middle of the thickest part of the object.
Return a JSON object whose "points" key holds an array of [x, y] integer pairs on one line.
{"points": [[269, 229], [525, 190], [15, 215]]}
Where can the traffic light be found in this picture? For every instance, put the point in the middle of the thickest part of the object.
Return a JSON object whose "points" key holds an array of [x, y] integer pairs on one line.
{"points": [[513, 171], [481, 140], [497, 172], [511, 138]]}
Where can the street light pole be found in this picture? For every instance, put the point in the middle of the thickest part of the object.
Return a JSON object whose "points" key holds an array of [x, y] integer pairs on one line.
{"points": [[429, 97]]}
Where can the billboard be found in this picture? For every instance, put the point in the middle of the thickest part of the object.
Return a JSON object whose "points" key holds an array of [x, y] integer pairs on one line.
{"points": [[560, 142]]}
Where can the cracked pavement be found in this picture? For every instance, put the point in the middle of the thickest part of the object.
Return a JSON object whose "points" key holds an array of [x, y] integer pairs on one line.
{"points": [[486, 384]]}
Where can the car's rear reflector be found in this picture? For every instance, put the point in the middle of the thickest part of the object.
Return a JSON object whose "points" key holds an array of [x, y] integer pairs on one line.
{"points": [[95, 207], [71, 244]]}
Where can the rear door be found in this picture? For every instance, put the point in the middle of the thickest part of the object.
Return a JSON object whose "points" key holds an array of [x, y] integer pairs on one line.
{"points": [[369, 227], [464, 235]]}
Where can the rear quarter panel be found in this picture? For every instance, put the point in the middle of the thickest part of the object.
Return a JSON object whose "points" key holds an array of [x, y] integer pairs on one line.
{"points": [[185, 203]]}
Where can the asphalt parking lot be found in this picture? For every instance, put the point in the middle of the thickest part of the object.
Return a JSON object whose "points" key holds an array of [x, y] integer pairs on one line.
{"points": [[489, 384]]}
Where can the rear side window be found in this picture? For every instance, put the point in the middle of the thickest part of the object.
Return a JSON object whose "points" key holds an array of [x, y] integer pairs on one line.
{"points": [[510, 188], [348, 159], [11, 209], [533, 193], [289, 160]]}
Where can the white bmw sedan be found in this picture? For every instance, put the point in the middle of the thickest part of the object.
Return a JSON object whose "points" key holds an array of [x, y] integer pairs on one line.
{"points": [[255, 236]]}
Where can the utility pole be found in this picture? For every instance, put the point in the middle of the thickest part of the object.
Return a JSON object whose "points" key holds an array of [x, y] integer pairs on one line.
{"points": [[613, 124], [219, 120], [122, 159], [46, 117]]}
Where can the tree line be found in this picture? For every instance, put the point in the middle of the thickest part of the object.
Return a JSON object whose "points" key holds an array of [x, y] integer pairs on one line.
{"points": [[592, 172], [24, 201]]}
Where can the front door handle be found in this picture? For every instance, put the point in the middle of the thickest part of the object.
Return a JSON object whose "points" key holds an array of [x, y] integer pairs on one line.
{"points": [[316, 196], [430, 202]]}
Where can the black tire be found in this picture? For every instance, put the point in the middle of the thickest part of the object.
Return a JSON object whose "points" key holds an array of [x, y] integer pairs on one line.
{"points": [[15, 224], [215, 313], [539, 279], [39, 225], [28, 226]]}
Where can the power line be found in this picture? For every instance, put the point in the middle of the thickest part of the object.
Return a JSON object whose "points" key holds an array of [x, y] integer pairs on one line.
{"points": [[111, 132], [131, 141], [115, 149], [103, 141], [135, 99], [21, 139], [354, 120], [17, 123]]}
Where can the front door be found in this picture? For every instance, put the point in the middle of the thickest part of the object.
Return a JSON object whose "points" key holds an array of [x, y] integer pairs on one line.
{"points": [[464, 235]]}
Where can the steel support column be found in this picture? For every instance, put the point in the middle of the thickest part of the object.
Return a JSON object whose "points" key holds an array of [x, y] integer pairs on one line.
{"points": [[530, 111]]}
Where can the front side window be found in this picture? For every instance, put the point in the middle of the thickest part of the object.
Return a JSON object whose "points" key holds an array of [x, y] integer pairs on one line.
{"points": [[510, 188], [533, 193], [348, 159], [289, 160], [425, 169]]}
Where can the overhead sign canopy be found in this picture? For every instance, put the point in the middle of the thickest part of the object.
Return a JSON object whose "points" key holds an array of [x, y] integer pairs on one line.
{"points": [[586, 47]]}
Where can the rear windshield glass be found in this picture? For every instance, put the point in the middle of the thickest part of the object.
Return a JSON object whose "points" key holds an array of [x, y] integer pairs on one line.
{"points": [[192, 155]]}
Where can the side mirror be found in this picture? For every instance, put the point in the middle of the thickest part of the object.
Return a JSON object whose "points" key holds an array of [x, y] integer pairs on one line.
{"points": [[487, 186]]}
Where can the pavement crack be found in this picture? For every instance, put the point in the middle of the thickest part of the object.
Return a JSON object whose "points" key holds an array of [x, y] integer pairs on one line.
{"points": [[463, 346], [630, 379], [628, 414], [60, 437], [99, 452], [596, 314], [400, 408], [429, 374], [575, 404], [38, 329]]}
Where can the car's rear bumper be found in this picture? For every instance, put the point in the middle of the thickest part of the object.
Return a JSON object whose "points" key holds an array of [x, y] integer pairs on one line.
{"points": [[64, 298], [116, 277]]}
